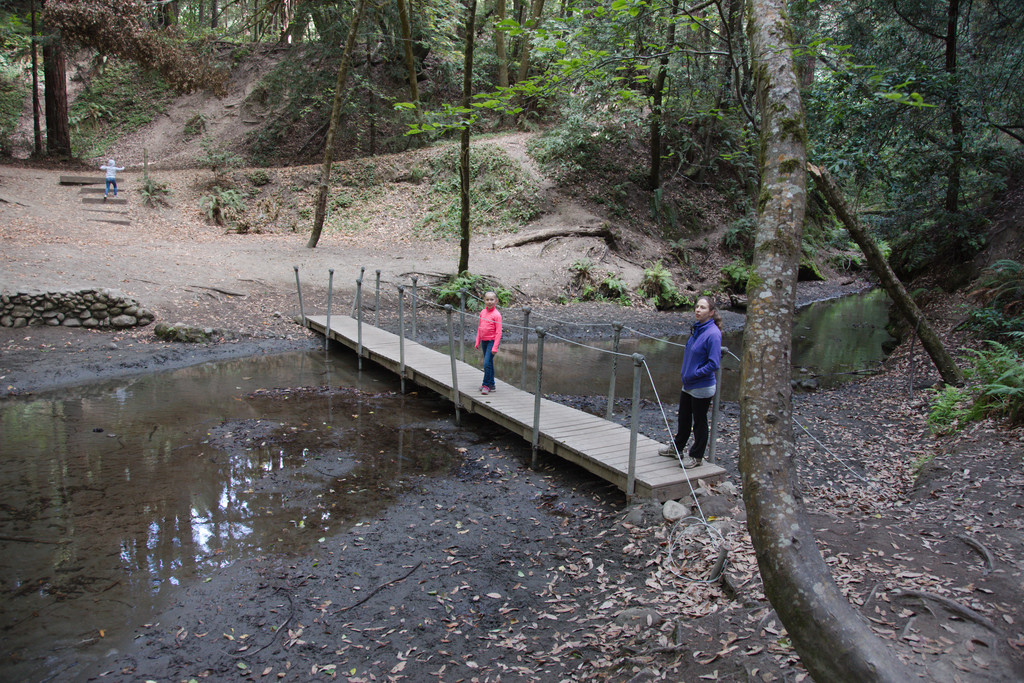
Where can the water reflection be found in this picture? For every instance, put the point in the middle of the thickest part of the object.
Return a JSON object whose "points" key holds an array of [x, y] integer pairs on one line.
{"points": [[833, 341], [119, 492]]}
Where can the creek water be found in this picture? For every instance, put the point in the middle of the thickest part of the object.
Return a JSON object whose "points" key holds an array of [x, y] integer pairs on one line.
{"points": [[118, 493], [833, 341]]}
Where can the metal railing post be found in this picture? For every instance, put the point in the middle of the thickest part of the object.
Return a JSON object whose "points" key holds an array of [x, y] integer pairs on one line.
{"points": [[455, 376], [414, 278], [376, 303], [362, 269], [714, 408], [634, 425], [298, 286], [401, 338], [535, 443], [330, 295], [526, 344], [462, 325], [615, 366], [359, 321]]}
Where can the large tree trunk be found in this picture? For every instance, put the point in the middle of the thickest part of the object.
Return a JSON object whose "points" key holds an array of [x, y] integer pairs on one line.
{"points": [[654, 180], [833, 640], [464, 179], [36, 130], [410, 62], [524, 58], [332, 132], [956, 124], [499, 45], [58, 132], [897, 292]]}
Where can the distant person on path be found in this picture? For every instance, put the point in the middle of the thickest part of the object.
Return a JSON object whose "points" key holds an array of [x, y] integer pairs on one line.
{"points": [[111, 168], [703, 356], [488, 333]]}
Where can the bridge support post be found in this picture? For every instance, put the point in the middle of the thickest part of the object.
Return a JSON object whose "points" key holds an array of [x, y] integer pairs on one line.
{"points": [[455, 375], [401, 339], [362, 269], [462, 325], [298, 286], [634, 425], [414, 278], [715, 410], [376, 302], [526, 344], [359, 321], [615, 366], [535, 443], [330, 295]]}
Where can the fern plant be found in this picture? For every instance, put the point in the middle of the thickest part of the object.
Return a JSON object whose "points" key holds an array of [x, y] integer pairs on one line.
{"points": [[1001, 291], [660, 287], [449, 291], [999, 370], [949, 409], [153, 192], [220, 202]]}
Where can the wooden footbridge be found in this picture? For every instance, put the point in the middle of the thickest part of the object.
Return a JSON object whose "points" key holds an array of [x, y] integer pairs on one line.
{"points": [[618, 454]]}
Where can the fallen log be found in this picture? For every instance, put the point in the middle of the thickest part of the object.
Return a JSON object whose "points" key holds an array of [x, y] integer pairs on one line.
{"points": [[947, 367], [546, 234]]}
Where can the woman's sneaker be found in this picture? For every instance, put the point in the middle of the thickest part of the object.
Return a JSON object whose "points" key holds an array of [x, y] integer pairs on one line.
{"points": [[689, 463], [668, 451]]}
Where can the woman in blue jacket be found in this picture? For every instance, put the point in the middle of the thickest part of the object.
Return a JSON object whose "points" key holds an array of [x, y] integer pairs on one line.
{"points": [[703, 356]]}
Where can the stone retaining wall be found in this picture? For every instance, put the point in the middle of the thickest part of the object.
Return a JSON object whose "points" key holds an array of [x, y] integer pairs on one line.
{"points": [[90, 308]]}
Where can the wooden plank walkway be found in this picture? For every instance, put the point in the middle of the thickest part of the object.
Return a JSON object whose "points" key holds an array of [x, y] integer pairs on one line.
{"points": [[597, 445]]}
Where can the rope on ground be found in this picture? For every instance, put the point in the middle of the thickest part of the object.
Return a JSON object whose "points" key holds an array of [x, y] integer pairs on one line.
{"points": [[870, 484], [676, 535]]}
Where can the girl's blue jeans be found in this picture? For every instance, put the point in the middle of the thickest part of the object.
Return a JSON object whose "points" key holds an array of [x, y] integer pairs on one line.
{"points": [[486, 346], [111, 183]]}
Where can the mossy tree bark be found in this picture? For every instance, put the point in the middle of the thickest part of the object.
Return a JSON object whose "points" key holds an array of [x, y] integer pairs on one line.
{"points": [[332, 131], [464, 167], [897, 292], [833, 640]]}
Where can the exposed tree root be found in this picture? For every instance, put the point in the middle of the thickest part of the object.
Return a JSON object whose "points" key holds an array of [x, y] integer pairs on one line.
{"points": [[981, 549], [546, 234], [951, 605]]}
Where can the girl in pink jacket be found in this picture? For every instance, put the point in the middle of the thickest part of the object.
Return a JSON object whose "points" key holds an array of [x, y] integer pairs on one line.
{"points": [[488, 333]]}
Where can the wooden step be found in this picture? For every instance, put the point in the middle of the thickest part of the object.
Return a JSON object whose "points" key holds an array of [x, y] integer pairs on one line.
{"points": [[101, 200], [81, 180]]}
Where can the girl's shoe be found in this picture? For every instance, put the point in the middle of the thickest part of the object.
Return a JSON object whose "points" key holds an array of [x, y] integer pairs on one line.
{"points": [[485, 390], [492, 388]]}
